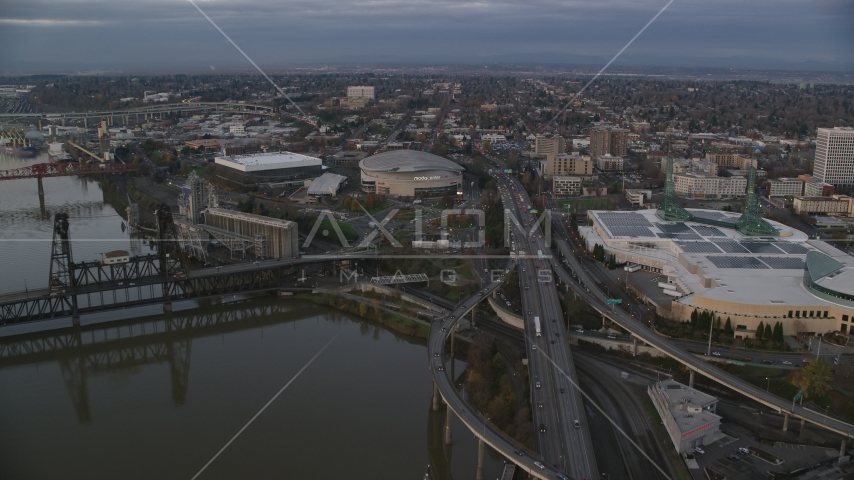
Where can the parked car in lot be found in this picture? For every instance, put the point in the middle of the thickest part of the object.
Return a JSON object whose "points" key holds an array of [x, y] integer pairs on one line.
{"points": [[699, 450]]}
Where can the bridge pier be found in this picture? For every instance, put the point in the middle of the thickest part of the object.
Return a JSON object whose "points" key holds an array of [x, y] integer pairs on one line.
{"points": [[479, 475], [75, 320], [435, 396], [167, 307], [448, 426], [842, 448], [634, 346], [785, 422], [691, 381], [41, 197], [85, 122], [803, 424]]}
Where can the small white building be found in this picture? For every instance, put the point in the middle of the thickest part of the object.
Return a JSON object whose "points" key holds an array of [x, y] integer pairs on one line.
{"points": [[687, 413]]}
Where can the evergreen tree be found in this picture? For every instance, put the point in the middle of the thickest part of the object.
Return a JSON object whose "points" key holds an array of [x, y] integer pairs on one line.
{"points": [[728, 326], [760, 331], [718, 323], [694, 318], [612, 262], [768, 334], [778, 332]]}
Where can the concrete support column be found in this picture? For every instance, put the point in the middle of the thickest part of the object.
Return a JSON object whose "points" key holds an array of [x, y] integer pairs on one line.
{"points": [[167, 307], [803, 424], [785, 422], [691, 379], [85, 122], [479, 475], [435, 396], [41, 197], [635, 346], [842, 447], [75, 321], [448, 426]]}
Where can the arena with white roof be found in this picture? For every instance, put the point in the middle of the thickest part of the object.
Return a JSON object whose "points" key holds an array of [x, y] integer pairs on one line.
{"points": [[805, 283]]}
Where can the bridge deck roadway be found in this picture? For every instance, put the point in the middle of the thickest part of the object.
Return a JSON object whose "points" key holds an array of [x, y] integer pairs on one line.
{"points": [[435, 351], [590, 292]]}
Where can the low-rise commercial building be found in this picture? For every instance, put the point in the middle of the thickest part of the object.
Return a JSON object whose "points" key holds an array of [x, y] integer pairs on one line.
{"points": [[817, 188], [732, 160], [327, 185], [636, 197], [687, 413], [553, 144], [361, 92]]}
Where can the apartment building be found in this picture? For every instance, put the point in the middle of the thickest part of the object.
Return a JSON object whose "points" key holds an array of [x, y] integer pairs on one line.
{"points": [[608, 140], [361, 92], [609, 163], [732, 160], [549, 144], [564, 164], [834, 156]]}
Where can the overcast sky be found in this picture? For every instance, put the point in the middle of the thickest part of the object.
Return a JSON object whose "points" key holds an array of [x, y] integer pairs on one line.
{"points": [[40, 36]]}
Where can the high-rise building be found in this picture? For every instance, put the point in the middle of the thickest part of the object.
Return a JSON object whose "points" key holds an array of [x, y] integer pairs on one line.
{"points": [[608, 140], [361, 92], [834, 156], [553, 144]]}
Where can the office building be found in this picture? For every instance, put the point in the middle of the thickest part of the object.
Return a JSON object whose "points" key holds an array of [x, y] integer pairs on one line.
{"points": [[841, 205], [566, 186], [549, 144], [834, 156], [608, 140], [702, 185], [785, 187], [361, 92]]}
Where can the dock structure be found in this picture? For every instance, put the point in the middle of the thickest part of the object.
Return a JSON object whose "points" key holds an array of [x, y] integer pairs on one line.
{"points": [[268, 237]]}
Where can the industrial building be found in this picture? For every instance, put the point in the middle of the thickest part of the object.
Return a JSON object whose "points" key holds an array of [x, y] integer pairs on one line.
{"points": [[410, 173], [268, 167], [267, 237], [687, 413]]}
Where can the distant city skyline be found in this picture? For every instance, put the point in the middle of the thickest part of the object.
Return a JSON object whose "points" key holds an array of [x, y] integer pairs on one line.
{"points": [[50, 36]]}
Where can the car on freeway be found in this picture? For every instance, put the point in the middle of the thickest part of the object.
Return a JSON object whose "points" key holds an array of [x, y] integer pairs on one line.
{"points": [[743, 451], [436, 354], [746, 359], [612, 336], [579, 330], [576, 424], [699, 450], [537, 384], [440, 368], [519, 452], [717, 354], [538, 464], [786, 362], [767, 362], [540, 404], [561, 476], [542, 429]]}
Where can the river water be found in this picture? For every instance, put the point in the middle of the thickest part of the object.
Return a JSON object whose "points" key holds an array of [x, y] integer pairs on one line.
{"points": [[159, 396]]}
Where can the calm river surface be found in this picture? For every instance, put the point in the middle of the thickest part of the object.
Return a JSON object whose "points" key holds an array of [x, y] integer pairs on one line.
{"points": [[159, 396]]}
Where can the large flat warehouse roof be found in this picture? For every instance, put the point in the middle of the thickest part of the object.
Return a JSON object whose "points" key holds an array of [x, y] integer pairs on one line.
{"points": [[267, 161]]}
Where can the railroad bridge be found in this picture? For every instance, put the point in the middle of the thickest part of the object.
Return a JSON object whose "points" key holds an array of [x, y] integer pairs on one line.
{"points": [[76, 288]]}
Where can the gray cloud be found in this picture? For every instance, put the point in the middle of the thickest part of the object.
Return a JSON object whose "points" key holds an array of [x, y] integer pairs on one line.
{"points": [[72, 35]]}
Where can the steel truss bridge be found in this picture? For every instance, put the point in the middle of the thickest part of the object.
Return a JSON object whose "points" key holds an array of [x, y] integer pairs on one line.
{"points": [[44, 170], [151, 111], [393, 279], [98, 348]]}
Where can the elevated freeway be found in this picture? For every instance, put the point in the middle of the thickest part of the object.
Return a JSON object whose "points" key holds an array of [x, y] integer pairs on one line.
{"points": [[588, 290], [150, 111]]}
